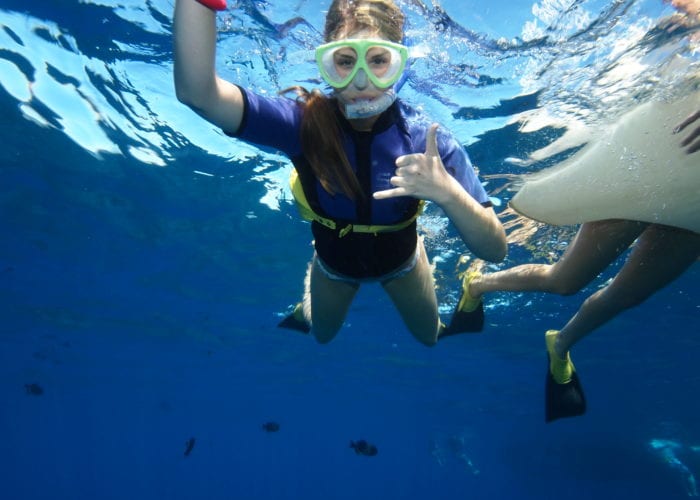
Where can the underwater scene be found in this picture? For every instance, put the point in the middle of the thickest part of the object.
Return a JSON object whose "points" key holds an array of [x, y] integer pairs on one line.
{"points": [[147, 258]]}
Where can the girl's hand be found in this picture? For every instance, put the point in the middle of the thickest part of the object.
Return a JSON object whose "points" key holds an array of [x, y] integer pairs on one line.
{"points": [[420, 175], [423, 176]]}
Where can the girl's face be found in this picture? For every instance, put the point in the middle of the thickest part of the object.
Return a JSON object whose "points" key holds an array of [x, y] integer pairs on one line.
{"points": [[363, 67], [377, 60]]}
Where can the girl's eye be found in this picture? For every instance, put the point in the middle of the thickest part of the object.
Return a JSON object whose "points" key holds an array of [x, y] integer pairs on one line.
{"points": [[345, 62], [379, 60]]}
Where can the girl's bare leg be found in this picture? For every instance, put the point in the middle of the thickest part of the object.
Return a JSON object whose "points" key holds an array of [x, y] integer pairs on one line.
{"points": [[326, 302], [415, 299]]}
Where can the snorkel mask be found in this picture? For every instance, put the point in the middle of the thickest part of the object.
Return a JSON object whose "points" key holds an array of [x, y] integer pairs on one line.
{"points": [[380, 61]]}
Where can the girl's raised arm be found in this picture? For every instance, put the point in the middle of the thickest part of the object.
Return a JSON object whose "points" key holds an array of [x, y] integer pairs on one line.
{"points": [[196, 83]]}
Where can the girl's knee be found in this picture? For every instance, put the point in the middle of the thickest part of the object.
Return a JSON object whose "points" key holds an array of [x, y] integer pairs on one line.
{"points": [[323, 339], [427, 336], [324, 335], [428, 341]]}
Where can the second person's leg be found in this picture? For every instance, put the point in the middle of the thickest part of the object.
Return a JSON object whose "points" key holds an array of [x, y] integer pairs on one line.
{"points": [[595, 246]]}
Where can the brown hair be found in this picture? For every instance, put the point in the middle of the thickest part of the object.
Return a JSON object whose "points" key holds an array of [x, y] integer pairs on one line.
{"points": [[379, 16], [320, 129]]}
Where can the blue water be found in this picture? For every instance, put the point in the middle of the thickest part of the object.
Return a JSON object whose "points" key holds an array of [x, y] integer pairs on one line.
{"points": [[146, 260]]}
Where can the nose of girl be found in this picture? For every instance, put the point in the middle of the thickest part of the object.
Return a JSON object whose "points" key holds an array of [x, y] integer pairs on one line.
{"points": [[360, 80]]}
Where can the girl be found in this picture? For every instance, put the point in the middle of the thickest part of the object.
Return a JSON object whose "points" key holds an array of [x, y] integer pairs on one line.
{"points": [[363, 160]]}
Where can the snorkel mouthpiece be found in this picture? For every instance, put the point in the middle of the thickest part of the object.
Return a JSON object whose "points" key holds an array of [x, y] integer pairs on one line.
{"points": [[370, 107]]}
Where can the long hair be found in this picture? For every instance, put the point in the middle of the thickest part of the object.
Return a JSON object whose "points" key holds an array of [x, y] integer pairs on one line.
{"points": [[320, 129], [322, 144]]}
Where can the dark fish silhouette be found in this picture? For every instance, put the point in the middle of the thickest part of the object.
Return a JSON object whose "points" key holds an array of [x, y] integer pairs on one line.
{"points": [[362, 447], [34, 389], [189, 444], [271, 426]]}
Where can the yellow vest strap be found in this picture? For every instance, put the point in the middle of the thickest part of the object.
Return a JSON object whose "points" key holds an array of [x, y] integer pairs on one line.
{"points": [[308, 214]]}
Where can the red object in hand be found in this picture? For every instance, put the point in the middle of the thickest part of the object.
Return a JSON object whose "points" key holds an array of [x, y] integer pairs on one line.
{"points": [[214, 4]]}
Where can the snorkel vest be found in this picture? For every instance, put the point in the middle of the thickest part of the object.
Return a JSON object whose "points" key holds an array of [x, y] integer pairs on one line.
{"points": [[308, 214], [343, 228]]}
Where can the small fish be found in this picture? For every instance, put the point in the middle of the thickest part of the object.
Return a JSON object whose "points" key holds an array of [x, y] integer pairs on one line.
{"points": [[362, 447], [189, 444], [271, 426], [34, 389]]}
